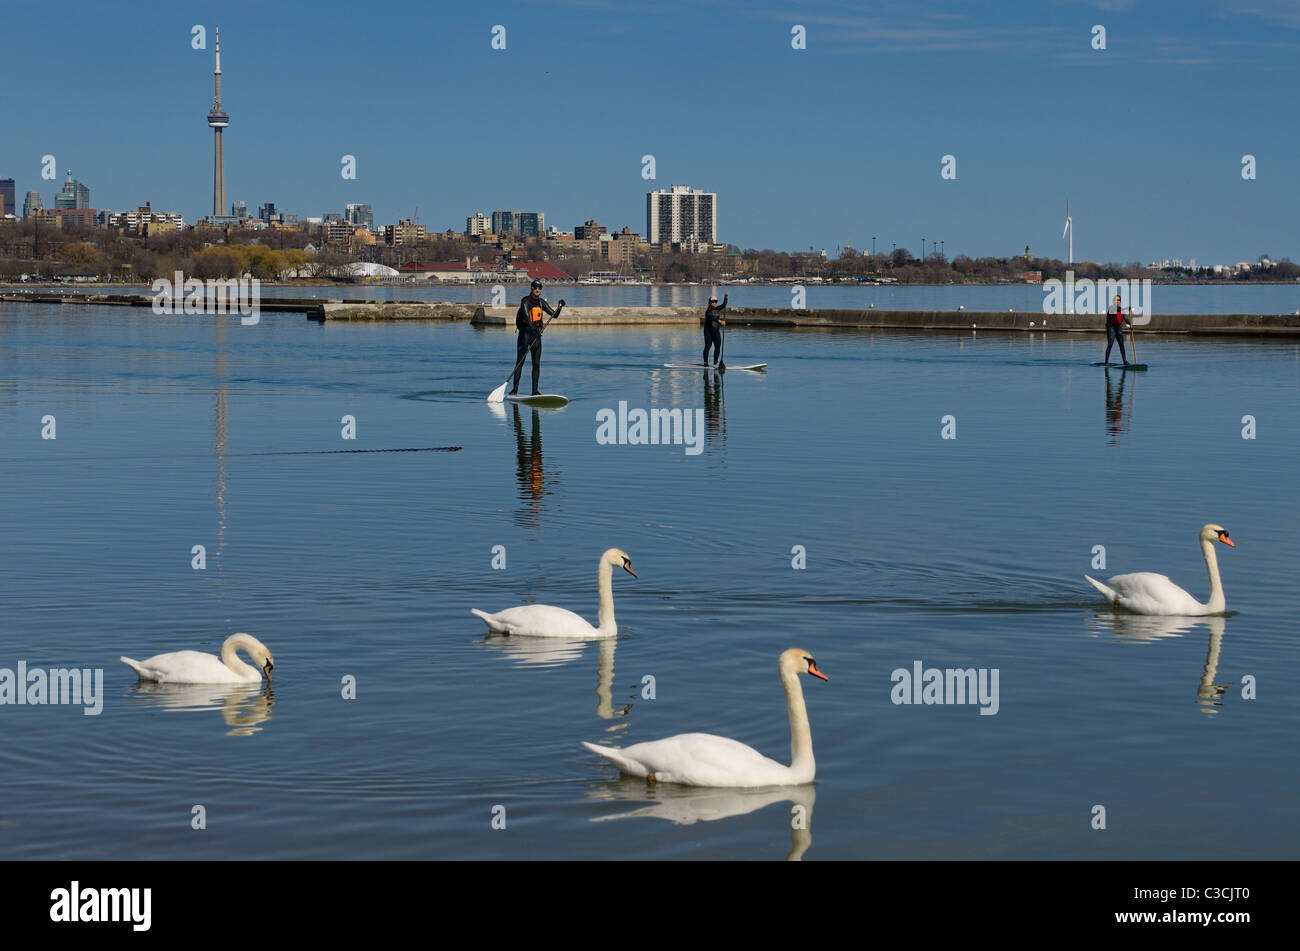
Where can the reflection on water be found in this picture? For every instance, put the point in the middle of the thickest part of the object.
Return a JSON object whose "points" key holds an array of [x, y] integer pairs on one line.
{"points": [[1117, 423], [534, 651], [531, 476], [1140, 628], [676, 388], [605, 683], [1209, 695], [243, 706], [1143, 627], [554, 652], [685, 805], [715, 411]]}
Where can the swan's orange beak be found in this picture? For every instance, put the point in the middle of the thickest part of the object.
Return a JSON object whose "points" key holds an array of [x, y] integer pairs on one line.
{"points": [[1223, 537], [267, 669], [812, 669], [627, 566]]}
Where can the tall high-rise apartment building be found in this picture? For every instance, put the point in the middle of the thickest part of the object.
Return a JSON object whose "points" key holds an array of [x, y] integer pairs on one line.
{"points": [[521, 224], [681, 215]]}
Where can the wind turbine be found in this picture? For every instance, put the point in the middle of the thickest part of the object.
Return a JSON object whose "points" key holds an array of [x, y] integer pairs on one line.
{"points": [[1069, 229]]}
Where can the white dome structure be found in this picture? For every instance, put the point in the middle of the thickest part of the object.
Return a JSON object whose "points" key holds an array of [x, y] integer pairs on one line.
{"points": [[365, 269]]}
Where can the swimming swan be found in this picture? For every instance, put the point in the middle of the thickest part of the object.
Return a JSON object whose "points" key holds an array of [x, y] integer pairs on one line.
{"points": [[701, 759], [1146, 592], [195, 667], [544, 620]]}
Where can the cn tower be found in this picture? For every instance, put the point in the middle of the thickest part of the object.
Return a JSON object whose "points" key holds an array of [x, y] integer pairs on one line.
{"points": [[218, 119]]}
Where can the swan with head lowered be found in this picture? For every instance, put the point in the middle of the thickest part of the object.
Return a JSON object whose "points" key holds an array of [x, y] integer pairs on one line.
{"points": [[701, 759], [195, 667], [1146, 592], [545, 620]]}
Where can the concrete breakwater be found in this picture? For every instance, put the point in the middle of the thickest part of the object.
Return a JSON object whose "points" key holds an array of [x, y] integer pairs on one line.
{"points": [[315, 308], [333, 309], [1287, 325]]}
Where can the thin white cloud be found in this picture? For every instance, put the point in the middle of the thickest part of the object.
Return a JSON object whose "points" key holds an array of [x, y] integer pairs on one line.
{"points": [[1283, 12]]}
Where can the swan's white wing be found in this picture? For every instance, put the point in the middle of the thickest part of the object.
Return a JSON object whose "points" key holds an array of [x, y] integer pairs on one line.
{"points": [[539, 620], [186, 667], [1147, 592], [699, 759]]}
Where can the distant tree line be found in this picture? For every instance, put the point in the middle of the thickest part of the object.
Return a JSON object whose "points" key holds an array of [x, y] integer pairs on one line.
{"points": [[26, 248]]}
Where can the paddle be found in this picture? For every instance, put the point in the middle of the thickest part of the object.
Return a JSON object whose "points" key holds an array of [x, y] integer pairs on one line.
{"points": [[499, 394], [1132, 341], [722, 338]]}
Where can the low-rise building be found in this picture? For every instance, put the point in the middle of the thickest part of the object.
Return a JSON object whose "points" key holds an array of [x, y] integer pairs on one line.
{"points": [[471, 271], [75, 217], [144, 216], [337, 232], [404, 233]]}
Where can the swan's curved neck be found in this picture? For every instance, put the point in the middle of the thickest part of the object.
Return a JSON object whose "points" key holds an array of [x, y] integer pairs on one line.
{"points": [[605, 587], [230, 657], [1217, 600], [801, 751]]}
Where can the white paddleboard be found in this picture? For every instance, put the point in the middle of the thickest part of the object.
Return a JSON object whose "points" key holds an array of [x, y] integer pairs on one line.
{"points": [[706, 366], [541, 399]]}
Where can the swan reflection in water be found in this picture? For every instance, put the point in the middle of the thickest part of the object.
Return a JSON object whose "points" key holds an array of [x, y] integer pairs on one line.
{"points": [[1146, 628], [686, 805], [243, 706], [555, 652]]}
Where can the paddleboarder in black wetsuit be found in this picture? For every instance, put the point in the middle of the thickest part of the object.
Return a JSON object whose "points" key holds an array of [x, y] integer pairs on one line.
{"points": [[1115, 330], [528, 321], [712, 335]]}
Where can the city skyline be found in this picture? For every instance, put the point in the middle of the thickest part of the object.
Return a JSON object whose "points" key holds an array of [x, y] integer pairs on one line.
{"points": [[795, 173]]}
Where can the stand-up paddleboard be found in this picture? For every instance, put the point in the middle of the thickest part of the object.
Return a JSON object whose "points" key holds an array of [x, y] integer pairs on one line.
{"points": [[706, 366], [1123, 366], [544, 400]]}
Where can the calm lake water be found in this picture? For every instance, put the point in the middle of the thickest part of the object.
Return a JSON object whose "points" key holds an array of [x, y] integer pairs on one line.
{"points": [[958, 553]]}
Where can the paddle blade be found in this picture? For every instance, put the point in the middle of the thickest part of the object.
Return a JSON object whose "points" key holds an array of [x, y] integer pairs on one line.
{"points": [[499, 394]]}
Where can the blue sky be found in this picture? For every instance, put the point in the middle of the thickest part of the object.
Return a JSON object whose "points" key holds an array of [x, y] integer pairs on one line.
{"points": [[842, 140]]}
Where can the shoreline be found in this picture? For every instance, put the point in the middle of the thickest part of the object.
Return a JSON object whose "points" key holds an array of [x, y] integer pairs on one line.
{"points": [[324, 310], [7, 286]]}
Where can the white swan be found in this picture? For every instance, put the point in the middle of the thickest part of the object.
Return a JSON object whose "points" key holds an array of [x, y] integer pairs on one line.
{"points": [[195, 667], [544, 620], [1146, 592], [701, 759]]}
